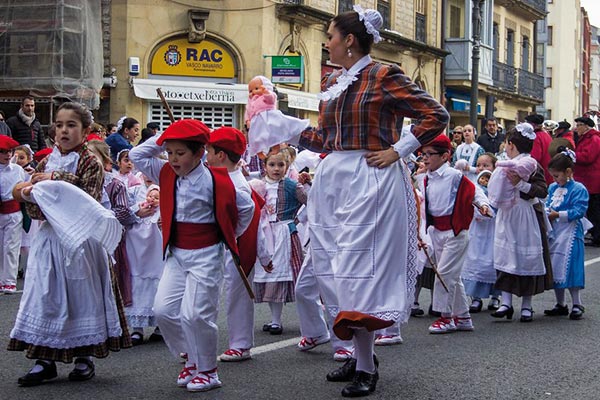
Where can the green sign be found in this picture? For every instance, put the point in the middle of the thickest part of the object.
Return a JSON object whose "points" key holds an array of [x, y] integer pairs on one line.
{"points": [[287, 69]]}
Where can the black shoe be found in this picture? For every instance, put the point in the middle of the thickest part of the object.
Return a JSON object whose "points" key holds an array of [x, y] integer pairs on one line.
{"points": [[347, 371], [558, 310], [577, 312], [83, 374], [494, 304], [137, 338], [526, 318], [37, 378], [416, 312], [266, 327], [433, 313], [476, 306], [155, 337], [507, 312], [362, 385], [276, 329]]}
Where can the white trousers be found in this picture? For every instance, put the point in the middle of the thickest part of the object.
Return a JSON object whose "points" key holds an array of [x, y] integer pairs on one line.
{"points": [[239, 306], [450, 252], [10, 237], [310, 309], [187, 303]]}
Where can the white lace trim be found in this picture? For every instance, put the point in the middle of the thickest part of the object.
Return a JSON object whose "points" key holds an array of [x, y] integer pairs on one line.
{"points": [[344, 80], [369, 18], [62, 163], [141, 321], [526, 130], [558, 196]]}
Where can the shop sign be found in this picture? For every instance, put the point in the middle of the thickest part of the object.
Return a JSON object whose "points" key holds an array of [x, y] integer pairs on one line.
{"points": [[287, 69], [181, 58]]}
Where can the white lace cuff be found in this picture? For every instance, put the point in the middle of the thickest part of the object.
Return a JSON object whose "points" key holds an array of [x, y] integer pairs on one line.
{"points": [[406, 145]]}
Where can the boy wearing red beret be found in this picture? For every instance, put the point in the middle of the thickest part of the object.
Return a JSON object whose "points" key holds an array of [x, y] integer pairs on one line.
{"points": [[225, 149], [449, 198], [202, 215], [11, 218]]}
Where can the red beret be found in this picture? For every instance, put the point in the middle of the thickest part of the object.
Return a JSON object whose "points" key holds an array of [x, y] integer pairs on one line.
{"points": [[229, 139], [441, 142], [41, 154], [7, 143], [185, 129], [93, 136]]}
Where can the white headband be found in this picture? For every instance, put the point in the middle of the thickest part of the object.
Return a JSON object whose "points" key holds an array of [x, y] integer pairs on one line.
{"points": [[372, 20], [569, 153], [120, 123], [526, 130]]}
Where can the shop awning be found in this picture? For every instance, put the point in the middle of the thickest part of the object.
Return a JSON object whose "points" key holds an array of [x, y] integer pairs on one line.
{"points": [[191, 92], [301, 100]]}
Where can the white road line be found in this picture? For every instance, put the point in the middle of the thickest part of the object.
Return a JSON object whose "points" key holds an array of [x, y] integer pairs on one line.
{"points": [[592, 261], [275, 346]]}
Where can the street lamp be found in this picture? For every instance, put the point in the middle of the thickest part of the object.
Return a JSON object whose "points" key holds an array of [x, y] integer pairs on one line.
{"points": [[477, 17]]}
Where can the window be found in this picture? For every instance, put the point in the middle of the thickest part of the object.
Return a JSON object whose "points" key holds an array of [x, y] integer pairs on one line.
{"points": [[212, 115], [548, 77], [456, 24], [540, 57], [384, 9], [525, 53], [496, 41], [549, 114], [549, 40], [510, 47], [345, 5], [420, 21]]}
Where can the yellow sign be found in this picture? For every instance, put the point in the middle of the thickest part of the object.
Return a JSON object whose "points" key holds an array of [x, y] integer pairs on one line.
{"points": [[179, 57]]}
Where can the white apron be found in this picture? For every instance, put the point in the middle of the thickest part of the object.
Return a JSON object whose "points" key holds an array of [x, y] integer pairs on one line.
{"points": [[282, 255]]}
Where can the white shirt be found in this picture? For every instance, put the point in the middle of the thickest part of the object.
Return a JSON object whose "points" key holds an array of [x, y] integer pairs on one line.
{"points": [[10, 175], [194, 195]]}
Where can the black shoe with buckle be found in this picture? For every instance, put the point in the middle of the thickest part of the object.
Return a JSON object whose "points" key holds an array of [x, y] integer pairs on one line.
{"points": [[37, 378], [577, 312], [83, 374], [362, 385], [558, 310]]}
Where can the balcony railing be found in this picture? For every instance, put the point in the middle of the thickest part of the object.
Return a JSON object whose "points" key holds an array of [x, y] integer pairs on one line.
{"points": [[530, 9], [537, 4], [504, 76], [531, 84]]}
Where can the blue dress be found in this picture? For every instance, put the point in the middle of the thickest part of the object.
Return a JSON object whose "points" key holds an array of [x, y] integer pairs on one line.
{"points": [[117, 142], [566, 238]]}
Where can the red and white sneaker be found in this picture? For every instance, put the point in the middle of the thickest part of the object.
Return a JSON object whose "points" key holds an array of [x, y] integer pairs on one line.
{"points": [[186, 375], [443, 325], [388, 340], [342, 355], [9, 289], [234, 355], [204, 381], [310, 343], [463, 324]]}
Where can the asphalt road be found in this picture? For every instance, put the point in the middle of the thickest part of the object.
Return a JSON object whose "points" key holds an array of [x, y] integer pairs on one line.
{"points": [[550, 358]]}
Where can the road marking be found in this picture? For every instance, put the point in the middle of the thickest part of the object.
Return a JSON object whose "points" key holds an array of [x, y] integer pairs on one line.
{"points": [[276, 346], [592, 261]]}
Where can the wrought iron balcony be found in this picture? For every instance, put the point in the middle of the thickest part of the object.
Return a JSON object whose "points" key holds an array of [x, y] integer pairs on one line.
{"points": [[531, 84], [529, 9], [504, 76]]}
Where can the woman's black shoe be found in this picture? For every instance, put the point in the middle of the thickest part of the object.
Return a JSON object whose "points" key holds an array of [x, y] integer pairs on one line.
{"points": [[558, 310], [37, 378], [83, 374], [266, 327], [276, 329], [476, 306], [137, 338], [362, 384], [577, 312], [506, 312], [526, 318], [345, 373]]}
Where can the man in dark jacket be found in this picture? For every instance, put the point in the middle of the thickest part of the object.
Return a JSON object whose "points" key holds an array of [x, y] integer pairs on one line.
{"points": [[491, 139], [25, 127]]}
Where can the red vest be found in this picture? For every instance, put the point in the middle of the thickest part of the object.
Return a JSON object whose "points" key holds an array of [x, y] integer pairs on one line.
{"points": [[247, 242], [462, 212], [225, 207]]}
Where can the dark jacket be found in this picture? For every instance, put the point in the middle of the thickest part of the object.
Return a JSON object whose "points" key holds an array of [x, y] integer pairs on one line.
{"points": [[490, 144], [33, 136]]}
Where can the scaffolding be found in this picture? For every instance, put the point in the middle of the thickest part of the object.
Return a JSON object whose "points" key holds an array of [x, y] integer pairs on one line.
{"points": [[52, 48]]}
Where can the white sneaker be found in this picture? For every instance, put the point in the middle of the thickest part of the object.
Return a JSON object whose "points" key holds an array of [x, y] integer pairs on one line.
{"points": [[343, 355], [463, 324], [388, 340], [310, 343], [186, 375], [234, 355], [443, 325], [204, 381]]}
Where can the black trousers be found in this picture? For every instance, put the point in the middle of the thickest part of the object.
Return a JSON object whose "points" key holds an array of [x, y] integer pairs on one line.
{"points": [[593, 214]]}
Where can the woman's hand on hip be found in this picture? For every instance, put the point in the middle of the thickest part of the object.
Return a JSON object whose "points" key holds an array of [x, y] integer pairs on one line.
{"points": [[382, 158]]}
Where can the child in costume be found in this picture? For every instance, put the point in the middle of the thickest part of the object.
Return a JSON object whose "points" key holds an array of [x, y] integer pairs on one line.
{"points": [[201, 214], [125, 173], [283, 197], [23, 157], [467, 153], [224, 149], [11, 218], [69, 260], [566, 206]]}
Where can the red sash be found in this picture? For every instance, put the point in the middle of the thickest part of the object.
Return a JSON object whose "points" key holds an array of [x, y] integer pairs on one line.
{"points": [[225, 209], [9, 207], [247, 242], [190, 236], [442, 223]]}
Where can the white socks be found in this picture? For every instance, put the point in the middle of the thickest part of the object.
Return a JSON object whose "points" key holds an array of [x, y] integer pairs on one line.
{"points": [[363, 350], [560, 296], [276, 311], [506, 301], [82, 366], [576, 296]]}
